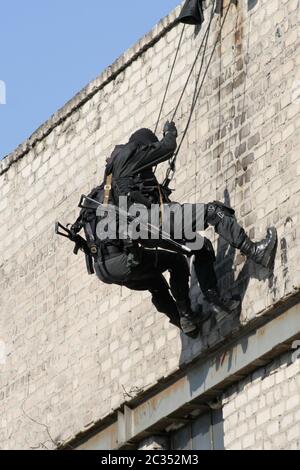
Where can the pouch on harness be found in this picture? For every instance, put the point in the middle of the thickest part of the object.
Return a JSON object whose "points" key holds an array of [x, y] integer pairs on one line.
{"points": [[97, 249]]}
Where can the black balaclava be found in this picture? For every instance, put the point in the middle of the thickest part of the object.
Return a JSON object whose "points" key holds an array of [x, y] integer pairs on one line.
{"points": [[143, 137]]}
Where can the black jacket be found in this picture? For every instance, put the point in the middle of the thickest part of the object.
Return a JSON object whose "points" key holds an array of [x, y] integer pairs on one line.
{"points": [[130, 159], [132, 162]]}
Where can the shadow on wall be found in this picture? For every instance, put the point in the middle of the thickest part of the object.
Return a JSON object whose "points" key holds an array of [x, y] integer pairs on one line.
{"points": [[213, 332]]}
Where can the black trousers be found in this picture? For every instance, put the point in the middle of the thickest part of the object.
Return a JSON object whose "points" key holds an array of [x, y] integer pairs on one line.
{"points": [[215, 214], [161, 297], [149, 276], [222, 218]]}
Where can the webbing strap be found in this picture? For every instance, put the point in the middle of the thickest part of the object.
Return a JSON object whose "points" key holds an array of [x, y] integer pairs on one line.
{"points": [[162, 208], [107, 190]]}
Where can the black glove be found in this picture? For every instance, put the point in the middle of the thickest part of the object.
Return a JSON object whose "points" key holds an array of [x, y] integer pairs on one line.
{"points": [[170, 128]]}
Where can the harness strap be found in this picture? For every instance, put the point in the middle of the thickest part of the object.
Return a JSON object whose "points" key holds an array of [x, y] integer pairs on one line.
{"points": [[161, 201], [107, 190], [91, 239]]}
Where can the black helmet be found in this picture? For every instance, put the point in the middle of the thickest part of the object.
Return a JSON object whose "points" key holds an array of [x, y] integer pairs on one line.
{"points": [[143, 137]]}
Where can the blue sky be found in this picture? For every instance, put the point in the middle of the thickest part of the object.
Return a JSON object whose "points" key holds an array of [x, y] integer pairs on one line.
{"points": [[50, 49]]}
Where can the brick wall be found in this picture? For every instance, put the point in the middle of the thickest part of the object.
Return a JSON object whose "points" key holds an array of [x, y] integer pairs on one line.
{"points": [[67, 365], [263, 411]]}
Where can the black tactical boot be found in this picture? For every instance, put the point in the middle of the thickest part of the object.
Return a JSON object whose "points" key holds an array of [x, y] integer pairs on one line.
{"points": [[262, 252], [220, 307], [187, 318]]}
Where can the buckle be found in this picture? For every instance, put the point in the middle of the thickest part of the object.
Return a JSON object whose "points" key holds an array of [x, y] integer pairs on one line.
{"points": [[107, 187]]}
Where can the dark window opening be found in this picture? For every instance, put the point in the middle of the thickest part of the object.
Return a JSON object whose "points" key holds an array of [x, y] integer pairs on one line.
{"points": [[203, 433]]}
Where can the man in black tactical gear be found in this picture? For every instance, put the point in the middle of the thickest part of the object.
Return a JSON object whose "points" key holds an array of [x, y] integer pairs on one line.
{"points": [[130, 172], [127, 263]]}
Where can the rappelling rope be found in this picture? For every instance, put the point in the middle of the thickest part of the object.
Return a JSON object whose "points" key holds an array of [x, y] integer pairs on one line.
{"points": [[169, 80], [204, 40], [172, 162]]}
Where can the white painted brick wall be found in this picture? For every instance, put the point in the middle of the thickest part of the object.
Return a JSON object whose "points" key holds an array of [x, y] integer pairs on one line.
{"points": [[73, 345], [270, 417]]}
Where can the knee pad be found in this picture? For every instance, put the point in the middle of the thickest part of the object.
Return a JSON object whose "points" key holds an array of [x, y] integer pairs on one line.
{"points": [[216, 211]]}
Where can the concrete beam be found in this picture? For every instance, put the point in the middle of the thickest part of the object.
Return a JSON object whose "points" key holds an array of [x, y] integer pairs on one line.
{"points": [[104, 440], [202, 380]]}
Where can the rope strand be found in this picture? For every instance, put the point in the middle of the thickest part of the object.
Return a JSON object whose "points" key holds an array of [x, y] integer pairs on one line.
{"points": [[204, 39], [169, 80], [196, 96]]}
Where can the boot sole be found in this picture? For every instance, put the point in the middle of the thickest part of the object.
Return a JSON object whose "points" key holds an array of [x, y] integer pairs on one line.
{"points": [[268, 258], [189, 332], [220, 314]]}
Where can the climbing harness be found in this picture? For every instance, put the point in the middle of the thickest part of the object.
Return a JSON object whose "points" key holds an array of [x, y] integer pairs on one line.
{"points": [[217, 8], [86, 202]]}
